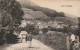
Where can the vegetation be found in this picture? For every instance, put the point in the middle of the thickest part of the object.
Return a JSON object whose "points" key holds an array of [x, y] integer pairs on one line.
{"points": [[31, 29], [10, 9], [10, 17], [1, 37], [78, 30], [60, 14], [11, 38], [47, 11], [55, 40], [45, 30]]}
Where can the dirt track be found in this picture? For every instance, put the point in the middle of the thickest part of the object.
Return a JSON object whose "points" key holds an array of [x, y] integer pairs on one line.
{"points": [[35, 45]]}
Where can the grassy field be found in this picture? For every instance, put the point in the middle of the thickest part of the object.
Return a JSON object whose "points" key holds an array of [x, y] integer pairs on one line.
{"points": [[55, 40]]}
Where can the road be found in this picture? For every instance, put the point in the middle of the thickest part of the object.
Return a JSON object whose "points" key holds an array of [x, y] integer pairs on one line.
{"points": [[35, 45]]}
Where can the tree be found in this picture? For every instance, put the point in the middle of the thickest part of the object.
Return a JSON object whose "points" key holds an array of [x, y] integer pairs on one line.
{"points": [[10, 16], [31, 29], [78, 30], [45, 30], [12, 9], [5, 18], [47, 11], [61, 14], [11, 38]]}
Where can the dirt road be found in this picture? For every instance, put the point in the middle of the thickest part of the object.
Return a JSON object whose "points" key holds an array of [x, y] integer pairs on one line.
{"points": [[35, 45]]}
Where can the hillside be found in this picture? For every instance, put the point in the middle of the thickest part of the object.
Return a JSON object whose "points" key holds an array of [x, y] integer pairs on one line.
{"points": [[28, 13], [49, 12], [33, 11], [68, 20], [31, 14]]}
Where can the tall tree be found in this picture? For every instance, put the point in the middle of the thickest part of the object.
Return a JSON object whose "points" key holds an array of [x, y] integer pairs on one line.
{"points": [[10, 9], [10, 16]]}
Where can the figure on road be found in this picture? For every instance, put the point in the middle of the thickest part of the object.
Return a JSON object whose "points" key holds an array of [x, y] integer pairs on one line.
{"points": [[29, 39], [23, 35]]}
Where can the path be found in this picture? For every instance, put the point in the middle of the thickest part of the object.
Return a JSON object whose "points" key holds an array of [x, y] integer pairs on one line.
{"points": [[36, 45]]}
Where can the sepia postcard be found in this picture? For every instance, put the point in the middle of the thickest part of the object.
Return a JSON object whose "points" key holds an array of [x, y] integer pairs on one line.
{"points": [[39, 24]]}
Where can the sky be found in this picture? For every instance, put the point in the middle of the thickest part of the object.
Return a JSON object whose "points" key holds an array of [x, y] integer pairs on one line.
{"points": [[67, 6]]}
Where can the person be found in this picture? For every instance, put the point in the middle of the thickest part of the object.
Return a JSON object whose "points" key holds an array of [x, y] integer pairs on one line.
{"points": [[76, 44], [73, 38], [23, 35], [40, 34], [29, 39], [65, 30]]}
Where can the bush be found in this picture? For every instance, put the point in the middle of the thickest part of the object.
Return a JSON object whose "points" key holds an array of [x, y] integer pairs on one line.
{"points": [[2, 32], [11, 38], [44, 30], [30, 28], [2, 41]]}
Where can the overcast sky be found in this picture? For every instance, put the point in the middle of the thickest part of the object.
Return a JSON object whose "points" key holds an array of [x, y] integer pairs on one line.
{"points": [[57, 5]]}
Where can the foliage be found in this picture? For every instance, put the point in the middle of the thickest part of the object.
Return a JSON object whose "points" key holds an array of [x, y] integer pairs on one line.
{"points": [[5, 18], [10, 9], [30, 28], [1, 37], [11, 38], [48, 12], [44, 30], [10, 16], [2, 41], [55, 40], [61, 14], [78, 30]]}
